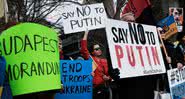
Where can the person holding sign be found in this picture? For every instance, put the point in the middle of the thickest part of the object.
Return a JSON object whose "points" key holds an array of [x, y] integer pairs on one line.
{"points": [[136, 87], [173, 58], [101, 76]]}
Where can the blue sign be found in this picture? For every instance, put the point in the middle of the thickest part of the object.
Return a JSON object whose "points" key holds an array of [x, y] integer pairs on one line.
{"points": [[176, 79], [76, 79], [178, 91]]}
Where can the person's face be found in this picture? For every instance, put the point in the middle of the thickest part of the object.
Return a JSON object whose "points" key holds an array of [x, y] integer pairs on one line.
{"points": [[97, 50], [176, 14]]}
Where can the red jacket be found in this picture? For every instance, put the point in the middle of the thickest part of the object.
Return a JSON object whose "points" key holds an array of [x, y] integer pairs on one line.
{"points": [[102, 68]]}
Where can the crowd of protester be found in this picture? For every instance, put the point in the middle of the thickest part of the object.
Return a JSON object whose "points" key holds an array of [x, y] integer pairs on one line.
{"points": [[128, 88]]}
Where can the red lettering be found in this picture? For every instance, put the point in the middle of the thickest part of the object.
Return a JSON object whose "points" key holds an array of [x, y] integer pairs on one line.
{"points": [[155, 55], [139, 48], [131, 57], [119, 54], [148, 57]]}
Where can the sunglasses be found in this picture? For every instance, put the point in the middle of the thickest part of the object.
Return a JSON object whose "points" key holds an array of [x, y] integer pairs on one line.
{"points": [[97, 49]]}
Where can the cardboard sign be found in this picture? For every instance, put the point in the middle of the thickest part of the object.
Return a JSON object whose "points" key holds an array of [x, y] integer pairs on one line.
{"points": [[81, 18], [134, 48], [32, 57], [176, 79], [76, 79]]}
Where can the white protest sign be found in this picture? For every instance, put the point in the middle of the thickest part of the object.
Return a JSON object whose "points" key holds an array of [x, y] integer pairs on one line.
{"points": [[81, 18], [176, 79], [134, 48]]}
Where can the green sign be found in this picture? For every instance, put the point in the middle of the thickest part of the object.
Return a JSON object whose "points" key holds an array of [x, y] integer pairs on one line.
{"points": [[32, 56]]}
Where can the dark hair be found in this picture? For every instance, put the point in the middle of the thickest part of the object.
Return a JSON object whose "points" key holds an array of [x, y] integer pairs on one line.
{"points": [[91, 46]]}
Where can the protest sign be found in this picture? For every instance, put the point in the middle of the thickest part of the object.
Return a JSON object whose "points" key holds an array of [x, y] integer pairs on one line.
{"points": [[176, 79], [76, 79], [81, 18], [177, 13], [134, 48], [32, 57], [169, 27]]}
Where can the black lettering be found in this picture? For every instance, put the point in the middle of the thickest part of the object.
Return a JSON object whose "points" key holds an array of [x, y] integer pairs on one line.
{"points": [[57, 69], [20, 44], [177, 76], [97, 20], [64, 68], [27, 42], [78, 67], [71, 68], [49, 68], [24, 68], [80, 12], [40, 69], [37, 40], [148, 36], [45, 44], [64, 16], [65, 78], [7, 48], [71, 78], [16, 72], [72, 89], [125, 34], [83, 11], [9, 72], [152, 38], [133, 33], [141, 34], [121, 38], [52, 43], [33, 69], [73, 23], [115, 38]]}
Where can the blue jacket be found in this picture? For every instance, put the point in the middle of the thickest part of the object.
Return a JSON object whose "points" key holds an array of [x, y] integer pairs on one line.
{"points": [[6, 94]]}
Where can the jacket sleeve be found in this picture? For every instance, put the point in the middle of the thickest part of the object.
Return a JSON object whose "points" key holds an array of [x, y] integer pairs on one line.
{"points": [[84, 51]]}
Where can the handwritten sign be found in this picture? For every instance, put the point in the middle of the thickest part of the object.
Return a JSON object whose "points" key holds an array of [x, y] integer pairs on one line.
{"points": [[176, 79], [32, 56], [76, 78], [81, 18]]}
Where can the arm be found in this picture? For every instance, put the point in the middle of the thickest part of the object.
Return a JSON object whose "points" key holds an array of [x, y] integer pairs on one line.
{"points": [[83, 43]]}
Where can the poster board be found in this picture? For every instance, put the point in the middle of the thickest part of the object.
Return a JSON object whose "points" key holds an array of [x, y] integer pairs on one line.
{"points": [[176, 79], [76, 79], [78, 18], [134, 48], [32, 57]]}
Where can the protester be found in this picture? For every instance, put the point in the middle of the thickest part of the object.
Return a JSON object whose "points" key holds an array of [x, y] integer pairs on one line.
{"points": [[136, 87], [173, 58], [101, 76]]}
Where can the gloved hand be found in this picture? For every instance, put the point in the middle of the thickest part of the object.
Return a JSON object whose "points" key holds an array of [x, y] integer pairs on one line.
{"points": [[114, 74]]}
